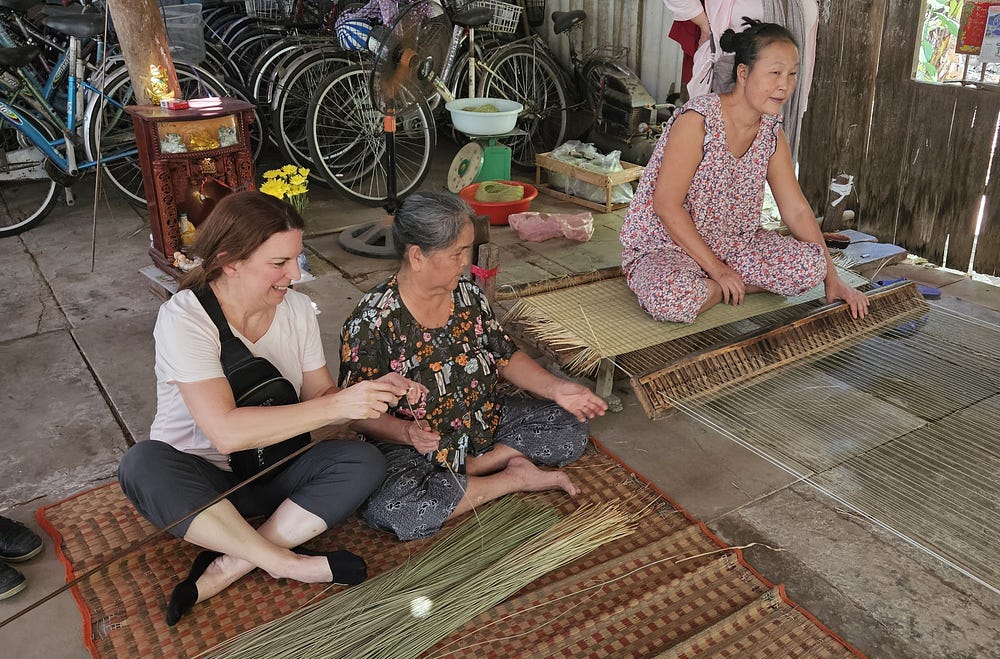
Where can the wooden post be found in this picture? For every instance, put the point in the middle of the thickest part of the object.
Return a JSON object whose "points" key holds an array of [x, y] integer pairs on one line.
{"points": [[833, 215], [143, 39], [489, 260]]}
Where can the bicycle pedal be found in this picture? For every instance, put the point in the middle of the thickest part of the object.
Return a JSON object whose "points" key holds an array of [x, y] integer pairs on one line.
{"points": [[58, 175]]}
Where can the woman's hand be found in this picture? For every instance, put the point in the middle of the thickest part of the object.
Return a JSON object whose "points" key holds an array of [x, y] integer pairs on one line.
{"points": [[733, 289], [420, 437], [414, 390], [855, 299], [367, 399], [578, 400]]}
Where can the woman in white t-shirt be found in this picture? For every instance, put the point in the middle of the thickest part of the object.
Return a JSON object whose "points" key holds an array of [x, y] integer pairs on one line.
{"points": [[249, 246]]}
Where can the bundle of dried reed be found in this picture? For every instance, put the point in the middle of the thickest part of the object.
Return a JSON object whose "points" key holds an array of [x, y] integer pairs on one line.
{"points": [[407, 610]]}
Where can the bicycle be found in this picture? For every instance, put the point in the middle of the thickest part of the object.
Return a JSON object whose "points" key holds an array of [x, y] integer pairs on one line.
{"points": [[346, 136], [42, 151], [526, 71]]}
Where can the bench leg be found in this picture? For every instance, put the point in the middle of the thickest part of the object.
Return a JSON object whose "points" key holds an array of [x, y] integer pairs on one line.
{"points": [[605, 383]]}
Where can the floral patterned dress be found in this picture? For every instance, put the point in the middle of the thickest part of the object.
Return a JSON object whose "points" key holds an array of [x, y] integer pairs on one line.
{"points": [[724, 200], [459, 363]]}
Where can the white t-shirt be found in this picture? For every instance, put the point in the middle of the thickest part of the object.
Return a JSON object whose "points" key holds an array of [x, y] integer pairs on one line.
{"points": [[187, 350]]}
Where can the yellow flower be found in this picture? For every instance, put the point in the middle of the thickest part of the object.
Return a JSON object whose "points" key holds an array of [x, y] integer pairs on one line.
{"points": [[288, 183], [275, 188]]}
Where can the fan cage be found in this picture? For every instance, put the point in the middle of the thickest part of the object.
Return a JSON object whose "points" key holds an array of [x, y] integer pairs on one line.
{"points": [[269, 10], [534, 11], [505, 15]]}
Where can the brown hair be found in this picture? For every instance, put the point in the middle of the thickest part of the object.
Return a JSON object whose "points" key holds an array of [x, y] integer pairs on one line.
{"points": [[238, 225]]}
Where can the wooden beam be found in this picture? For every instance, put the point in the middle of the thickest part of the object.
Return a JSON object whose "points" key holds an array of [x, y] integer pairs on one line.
{"points": [[143, 39]]}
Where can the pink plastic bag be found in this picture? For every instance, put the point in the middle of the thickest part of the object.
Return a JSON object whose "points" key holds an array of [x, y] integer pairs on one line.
{"points": [[537, 227]]}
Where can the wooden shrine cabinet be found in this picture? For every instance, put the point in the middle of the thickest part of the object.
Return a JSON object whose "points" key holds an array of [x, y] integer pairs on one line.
{"points": [[190, 159]]}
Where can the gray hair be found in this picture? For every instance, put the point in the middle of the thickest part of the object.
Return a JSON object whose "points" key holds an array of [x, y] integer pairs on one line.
{"points": [[429, 220]]}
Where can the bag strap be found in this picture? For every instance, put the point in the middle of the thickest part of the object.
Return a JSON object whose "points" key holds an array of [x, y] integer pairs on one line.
{"points": [[234, 352]]}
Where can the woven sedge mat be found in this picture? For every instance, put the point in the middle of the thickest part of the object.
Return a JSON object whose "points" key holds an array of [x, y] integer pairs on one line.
{"points": [[597, 320], [630, 598]]}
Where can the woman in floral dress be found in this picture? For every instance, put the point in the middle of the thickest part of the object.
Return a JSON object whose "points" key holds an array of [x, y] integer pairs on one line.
{"points": [[692, 236], [463, 444]]}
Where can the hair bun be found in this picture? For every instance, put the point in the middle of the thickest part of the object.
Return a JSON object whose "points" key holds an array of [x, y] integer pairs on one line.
{"points": [[728, 41]]}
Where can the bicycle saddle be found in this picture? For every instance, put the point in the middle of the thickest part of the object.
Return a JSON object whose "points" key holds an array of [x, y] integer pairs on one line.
{"points": [[82, 26], [565, 20], [474, 17], [20, 5], [12, 58]]}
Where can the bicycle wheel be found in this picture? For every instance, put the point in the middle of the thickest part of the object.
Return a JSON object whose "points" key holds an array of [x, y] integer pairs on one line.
{"points": [[347, 140], [117, 134], [27, 194], [259, 132], [524, 74], [292, 95]]}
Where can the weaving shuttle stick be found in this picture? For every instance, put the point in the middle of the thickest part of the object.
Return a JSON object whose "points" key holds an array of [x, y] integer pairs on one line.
{"points": [[514, 291], [826, 329]]}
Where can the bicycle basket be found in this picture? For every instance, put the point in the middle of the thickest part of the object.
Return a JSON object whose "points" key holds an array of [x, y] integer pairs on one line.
{"points": [[185, 32], [505, 15], [269, 10], [534, 11]]}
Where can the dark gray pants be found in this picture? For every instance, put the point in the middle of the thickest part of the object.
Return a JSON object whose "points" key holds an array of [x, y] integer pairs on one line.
{"points": [[330, 480], [417, 496]]}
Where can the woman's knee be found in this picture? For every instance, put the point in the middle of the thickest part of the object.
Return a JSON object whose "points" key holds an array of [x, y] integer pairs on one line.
{"points": [[676, 301], [362, 461], [570, 439], [406, 520], [669, 287], [138, 472]]}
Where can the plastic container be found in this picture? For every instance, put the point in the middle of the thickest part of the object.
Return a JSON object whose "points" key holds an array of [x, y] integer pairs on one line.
{"points": [[499, 211], [484, 123]]}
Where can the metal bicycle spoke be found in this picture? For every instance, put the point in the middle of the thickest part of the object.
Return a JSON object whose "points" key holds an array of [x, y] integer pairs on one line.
{"points": [[292, 97], [520, 74], [347, 139]]}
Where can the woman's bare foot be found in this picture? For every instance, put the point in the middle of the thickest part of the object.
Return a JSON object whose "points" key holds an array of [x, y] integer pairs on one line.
{"points": [[530, 478]]}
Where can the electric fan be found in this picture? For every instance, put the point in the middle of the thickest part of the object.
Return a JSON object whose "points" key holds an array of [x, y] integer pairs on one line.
{"points": [[409, 52]]}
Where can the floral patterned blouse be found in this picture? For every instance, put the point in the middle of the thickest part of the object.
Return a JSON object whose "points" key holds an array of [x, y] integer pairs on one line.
{"points": [[725, 196], [458, 364]]}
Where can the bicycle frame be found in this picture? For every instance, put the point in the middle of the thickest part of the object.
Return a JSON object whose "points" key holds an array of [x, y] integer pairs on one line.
{"points": [[68, 164], [74, 66]]}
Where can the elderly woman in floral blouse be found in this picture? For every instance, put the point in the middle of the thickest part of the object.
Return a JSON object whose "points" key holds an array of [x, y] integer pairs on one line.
{"points": [[463, 444]]}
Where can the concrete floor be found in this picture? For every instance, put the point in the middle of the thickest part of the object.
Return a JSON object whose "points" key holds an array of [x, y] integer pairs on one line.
{"points": [[77, 387]]}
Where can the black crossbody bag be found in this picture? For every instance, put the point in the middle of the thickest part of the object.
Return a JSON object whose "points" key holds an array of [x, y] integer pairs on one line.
{"points": [[255, 382]]}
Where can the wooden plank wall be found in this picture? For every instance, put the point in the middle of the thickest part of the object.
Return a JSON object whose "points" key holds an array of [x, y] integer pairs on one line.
{"points": [[919, 153]]}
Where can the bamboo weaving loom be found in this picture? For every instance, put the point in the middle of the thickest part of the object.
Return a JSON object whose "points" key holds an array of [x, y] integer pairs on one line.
{"points": [[819, 332], [591, 323]]}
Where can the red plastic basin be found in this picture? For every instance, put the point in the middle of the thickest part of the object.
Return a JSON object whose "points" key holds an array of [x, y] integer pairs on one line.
{"points": [[498, 212]]}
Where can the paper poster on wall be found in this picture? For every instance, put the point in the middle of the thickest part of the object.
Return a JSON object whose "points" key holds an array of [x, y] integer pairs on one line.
{"points": [[990, 51], [972, 26]]}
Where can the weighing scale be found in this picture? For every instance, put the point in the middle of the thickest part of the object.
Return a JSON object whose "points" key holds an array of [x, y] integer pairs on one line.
{"points": [[482, 159]]}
